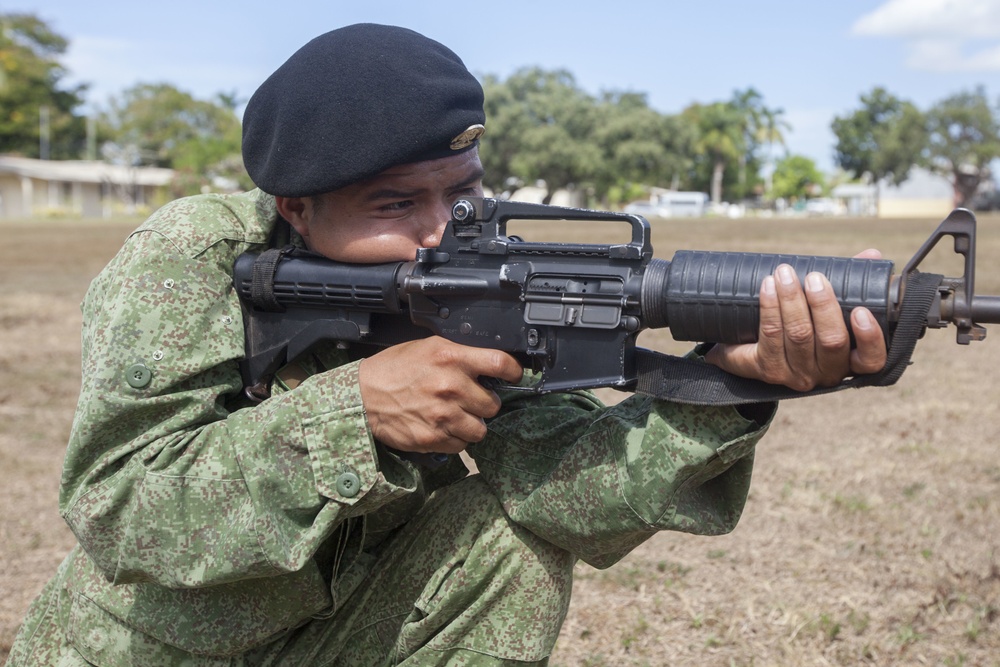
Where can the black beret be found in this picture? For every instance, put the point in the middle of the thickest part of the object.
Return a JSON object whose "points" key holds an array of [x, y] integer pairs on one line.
{"points": [[352, 103]]}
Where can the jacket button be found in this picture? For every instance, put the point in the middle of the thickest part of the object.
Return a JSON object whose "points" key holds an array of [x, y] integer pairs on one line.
{"points": [[96, 639], [138, 376], [348, 484]]}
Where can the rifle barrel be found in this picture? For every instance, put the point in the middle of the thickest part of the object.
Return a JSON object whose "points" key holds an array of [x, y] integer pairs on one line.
{"points": [[986, 309]]}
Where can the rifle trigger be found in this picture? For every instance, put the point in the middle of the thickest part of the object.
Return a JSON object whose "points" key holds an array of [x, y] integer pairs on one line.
{"points": [[492, 383]]}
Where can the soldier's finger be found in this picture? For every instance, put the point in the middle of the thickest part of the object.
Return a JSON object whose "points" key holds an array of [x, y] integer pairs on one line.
{"points": [[869, 354], [831, 340], [797, 324], [770, 350]]}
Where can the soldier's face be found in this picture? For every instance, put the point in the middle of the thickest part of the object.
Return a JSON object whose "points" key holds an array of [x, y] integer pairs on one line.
{"points": [[388, 217]]}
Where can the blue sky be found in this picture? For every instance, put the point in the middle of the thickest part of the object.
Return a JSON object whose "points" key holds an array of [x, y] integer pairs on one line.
{"points": [[813, 60]]}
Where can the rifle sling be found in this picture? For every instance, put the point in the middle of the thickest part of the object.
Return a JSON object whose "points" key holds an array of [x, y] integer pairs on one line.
{"points": [[692, 381], [262, 279]]}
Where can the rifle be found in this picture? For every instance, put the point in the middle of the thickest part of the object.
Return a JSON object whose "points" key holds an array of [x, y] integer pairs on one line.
{"points": [[572, 312]]}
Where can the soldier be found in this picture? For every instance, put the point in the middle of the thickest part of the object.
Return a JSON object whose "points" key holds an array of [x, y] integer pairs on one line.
{"points": [[298, 531]]}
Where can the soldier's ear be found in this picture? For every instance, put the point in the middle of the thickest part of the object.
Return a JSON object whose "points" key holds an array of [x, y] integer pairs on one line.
{"points": [[297, 211]]}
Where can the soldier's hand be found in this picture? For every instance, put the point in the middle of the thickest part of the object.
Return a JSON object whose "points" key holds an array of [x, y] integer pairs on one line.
{"points": [[425, 395], [803, 341]]}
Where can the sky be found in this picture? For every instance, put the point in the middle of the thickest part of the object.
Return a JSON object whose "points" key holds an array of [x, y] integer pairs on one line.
{"points": [[813, 60]]}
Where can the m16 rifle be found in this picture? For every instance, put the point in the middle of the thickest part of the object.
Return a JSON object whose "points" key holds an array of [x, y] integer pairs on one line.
{"points": [[572, 311]]}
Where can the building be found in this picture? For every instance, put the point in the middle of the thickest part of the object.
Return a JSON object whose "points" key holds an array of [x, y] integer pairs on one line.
{"points": [[857, 199], [924, 194], [82, 188]]}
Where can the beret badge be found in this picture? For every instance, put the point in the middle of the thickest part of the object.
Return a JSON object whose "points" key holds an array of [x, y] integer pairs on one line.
{"points": [[467, 137]]}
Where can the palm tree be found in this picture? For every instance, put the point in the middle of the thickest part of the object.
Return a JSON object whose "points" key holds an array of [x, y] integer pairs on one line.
{"points": [[762, 125], [721, 139]]}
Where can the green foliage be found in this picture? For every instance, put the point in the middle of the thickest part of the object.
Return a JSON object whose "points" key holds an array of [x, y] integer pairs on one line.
{"points": [[762, 127], [795, 177], [885, 138], [730, 137], [720, 141], [964, 138], [31, 80], [542, 126], [158, 124], [640, 145], [539, 124]]}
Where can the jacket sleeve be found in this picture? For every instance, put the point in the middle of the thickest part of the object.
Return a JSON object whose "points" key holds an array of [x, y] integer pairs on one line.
{"points": [[598, 481], [168, 478]]}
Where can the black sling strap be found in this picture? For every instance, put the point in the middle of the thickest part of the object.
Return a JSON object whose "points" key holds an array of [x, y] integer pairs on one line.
{"points": [[262, 279]]}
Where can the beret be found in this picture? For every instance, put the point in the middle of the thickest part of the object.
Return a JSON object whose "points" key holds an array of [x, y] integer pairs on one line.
{"points": [[355, 101]]}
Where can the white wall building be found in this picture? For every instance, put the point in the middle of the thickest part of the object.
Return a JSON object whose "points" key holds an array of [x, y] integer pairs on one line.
{"points": [[30, 187], [924, 194]]}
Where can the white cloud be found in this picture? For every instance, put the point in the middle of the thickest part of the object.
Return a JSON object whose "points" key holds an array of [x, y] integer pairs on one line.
{"points": [[941, 35], [920, 19]]}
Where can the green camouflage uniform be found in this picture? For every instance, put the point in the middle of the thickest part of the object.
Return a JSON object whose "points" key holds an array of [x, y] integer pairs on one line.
{"points": [[215, 532]]}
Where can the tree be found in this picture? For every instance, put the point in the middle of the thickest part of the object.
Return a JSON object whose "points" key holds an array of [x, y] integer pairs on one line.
{"points": [[721, 139], [964, 139], [32, 94], [166, 127], [540, 127], [795, 177], [640, 146], [885, 138], [761, 126]]}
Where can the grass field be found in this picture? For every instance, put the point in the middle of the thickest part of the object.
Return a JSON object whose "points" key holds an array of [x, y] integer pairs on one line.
{"points": [[871, 536]]}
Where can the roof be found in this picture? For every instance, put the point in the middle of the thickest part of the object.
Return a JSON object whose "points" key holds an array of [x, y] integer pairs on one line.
{"points": [[84, 171], [854, 190]]}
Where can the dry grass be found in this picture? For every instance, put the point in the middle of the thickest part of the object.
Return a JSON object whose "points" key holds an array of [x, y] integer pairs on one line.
{"points": [[872, 533]]}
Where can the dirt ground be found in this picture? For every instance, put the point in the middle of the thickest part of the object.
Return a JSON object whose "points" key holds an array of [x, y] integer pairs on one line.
{"points": [[871, 535]]}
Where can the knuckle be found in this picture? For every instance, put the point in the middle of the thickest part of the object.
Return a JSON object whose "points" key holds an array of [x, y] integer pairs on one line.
{"points": [[446, 353], [799, 333], [493, 408], [441, 387], [863, 364], [506, 367], [425, 441], [802, 382], [438, 416], [771, 330], [496, 363], [785, 375], [833, 342], [477, 432], [774, 374]]}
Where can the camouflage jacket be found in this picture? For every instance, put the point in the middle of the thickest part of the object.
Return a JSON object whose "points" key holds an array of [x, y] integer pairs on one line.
{"points": [[213, 524]]}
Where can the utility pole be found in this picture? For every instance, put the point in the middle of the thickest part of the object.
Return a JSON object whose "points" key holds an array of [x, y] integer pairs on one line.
{"points": [[91, 138], [44, 132]]}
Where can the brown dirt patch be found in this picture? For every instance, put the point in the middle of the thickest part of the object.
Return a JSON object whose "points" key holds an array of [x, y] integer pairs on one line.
{"points": [[871, 535]]}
